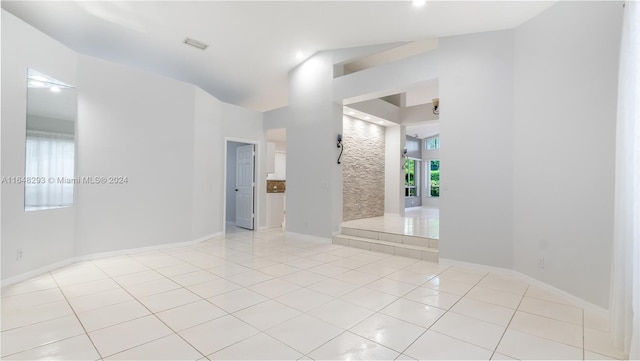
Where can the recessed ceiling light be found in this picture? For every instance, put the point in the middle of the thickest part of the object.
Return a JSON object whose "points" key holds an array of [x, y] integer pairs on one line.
{"points": [[195, 43], [299, 55], [419, 3], [55, 89]]}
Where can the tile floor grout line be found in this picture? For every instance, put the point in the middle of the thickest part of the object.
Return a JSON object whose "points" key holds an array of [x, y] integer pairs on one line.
{"points": [[324, 343], [134, 297], [547, 317], [2, 296], [37, 323], [151, 313], [228, 314], [446, 311], [45, 344], [552, 319], [313, 316], [509, 323], [389, 347], [336, 298], [294, 251], [248, 337], [254, 335], [78, 318], [467, 342]]}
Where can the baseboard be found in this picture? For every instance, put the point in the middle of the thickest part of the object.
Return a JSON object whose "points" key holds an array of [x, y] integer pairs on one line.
{"points": [[208, 237], [36, 272], [124, 252], [94, 256], [576, 300]]}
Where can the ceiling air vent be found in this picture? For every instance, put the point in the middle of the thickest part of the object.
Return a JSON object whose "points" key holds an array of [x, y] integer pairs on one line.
{"points": [[195, 43]]}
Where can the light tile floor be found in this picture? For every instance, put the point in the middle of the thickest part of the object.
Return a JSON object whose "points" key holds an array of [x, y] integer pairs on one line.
{"points": [[417, 221], [264, 295]]}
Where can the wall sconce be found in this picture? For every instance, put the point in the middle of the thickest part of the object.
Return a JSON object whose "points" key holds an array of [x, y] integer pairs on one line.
{"points": [[340, 146], [436, 103]]}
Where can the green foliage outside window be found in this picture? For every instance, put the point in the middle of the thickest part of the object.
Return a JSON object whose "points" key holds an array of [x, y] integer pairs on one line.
{"points": [[410, 189], [409, 172], [434, 169]]}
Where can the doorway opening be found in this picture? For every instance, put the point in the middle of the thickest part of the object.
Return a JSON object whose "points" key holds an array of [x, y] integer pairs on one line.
{"points": [[240, 185], [276, 178], [407, 114]]}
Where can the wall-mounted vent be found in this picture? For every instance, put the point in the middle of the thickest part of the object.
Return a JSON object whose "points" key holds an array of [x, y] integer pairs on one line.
{"points": [[195, 43]]}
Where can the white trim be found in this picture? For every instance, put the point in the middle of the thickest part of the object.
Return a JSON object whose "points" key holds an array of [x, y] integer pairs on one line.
{"points": [[94, 256], [505, 271]]}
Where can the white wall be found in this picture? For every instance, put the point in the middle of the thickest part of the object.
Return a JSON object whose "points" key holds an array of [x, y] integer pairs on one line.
{"points": [[314, 184], [528, 119], [564, 136], [208, 184], [277, 118], [476, 119], [166, 136], [395, 139], [47, 236], [139, 125]]}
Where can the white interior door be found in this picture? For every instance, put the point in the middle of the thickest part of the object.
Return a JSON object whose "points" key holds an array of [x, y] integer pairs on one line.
{"points": [[244, 186]]}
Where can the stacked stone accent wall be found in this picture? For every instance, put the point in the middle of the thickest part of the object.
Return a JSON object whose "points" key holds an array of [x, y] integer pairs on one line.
{"points": [[363, 169]]}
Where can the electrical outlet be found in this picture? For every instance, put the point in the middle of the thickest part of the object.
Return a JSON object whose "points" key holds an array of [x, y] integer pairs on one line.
{"points": [[19, 254], [541, 262]]}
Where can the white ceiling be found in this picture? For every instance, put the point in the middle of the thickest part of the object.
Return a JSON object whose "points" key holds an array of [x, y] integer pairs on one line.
{"points": [[424, 130], [252, 45], [368, 117]]}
